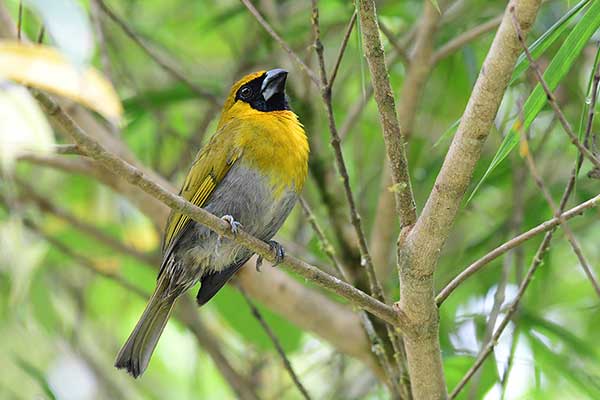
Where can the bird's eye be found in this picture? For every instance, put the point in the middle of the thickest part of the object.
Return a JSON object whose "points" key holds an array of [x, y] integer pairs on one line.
{"points": [[245, 92]]}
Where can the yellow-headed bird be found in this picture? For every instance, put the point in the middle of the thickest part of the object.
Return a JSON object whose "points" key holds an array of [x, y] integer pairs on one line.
{"points": [[250, 174]]}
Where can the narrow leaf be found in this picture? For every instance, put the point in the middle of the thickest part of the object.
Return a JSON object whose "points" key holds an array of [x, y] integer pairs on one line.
{"points": [[556, 71], [538, 47], [45, 68]]}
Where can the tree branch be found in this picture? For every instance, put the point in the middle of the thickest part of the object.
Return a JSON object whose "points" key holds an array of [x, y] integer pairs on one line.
{"points": [[465, 38], [535, 174], [165, 64], [511, 244], [286, 362], [305, 68], [417, 73], [136, 177], [382, 89], [418, 258]]}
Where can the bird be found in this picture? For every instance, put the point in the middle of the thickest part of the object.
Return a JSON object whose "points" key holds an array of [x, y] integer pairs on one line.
{"points": [[250, 174]]}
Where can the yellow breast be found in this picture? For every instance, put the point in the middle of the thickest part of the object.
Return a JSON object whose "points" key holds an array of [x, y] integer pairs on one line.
{"points": [[274, 143]]}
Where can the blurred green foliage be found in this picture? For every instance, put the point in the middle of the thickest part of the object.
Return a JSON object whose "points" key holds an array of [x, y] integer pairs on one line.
{"points": [[62, 324]]}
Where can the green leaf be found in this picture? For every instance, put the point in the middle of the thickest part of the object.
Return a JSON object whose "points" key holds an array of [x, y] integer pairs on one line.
{"points": [[436, 5], [232, 306], [559, 66], [551, 329], [448, 133], [538, 47], [456, 367], [36, 374], [558, 365]]}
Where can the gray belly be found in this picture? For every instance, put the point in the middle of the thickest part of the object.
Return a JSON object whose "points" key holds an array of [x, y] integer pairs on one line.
{"points": [[247, 196]]}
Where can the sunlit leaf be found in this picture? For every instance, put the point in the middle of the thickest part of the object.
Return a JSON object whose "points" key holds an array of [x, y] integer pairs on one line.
{"points": [[23, 127], [45, 68], [68, 25], [21, 255], [37, 375], [561, 365]]}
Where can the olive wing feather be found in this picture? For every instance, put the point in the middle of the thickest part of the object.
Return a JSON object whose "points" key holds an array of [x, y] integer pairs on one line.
{"points": [[211, 165]]}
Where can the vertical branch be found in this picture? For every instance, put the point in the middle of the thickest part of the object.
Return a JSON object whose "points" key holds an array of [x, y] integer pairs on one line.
{"points": [[20, 20], [394, 142], [544, 246], [533, 168], [418, 257], [355, 218], [417, 73], [366, 262], [376, 345]]}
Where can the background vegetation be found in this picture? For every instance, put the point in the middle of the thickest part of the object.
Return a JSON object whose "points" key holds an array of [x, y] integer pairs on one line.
{"points": [[79, 247]]}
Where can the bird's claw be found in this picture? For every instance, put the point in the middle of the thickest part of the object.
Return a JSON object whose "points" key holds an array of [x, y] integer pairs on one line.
{"points": [[232, 223], [259, 261], [278, 251]]}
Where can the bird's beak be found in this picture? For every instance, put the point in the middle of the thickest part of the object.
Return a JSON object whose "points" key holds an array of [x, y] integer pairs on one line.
{"points": [[274, 83]]}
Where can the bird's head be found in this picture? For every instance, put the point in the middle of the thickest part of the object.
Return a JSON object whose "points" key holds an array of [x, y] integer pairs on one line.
{"points": [[259, 92]]}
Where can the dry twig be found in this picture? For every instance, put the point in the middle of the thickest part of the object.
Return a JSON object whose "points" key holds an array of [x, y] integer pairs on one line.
{"points": [[286, 362]]}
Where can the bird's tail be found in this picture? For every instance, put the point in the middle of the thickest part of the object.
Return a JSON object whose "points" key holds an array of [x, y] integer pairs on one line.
{"points": [[135, 354]]}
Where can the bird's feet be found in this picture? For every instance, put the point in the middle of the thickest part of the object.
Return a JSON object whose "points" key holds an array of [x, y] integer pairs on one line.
{"points": [[232, 223], [277, 250]]}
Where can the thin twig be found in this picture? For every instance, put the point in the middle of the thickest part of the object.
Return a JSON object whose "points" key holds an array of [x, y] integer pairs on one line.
{"points": [[376, 345], [400, 50], [325, 245], [591, 113], [305, 68], [512, 243], [101, 38], [514, 341], [164, 63], [538, 179], [40, 36], [463, 39], [386, 105], [286, 362], [341, 52], [563, 224], [84, 227], [366, 262], [552, 99], [138, 178], [20, 20]]}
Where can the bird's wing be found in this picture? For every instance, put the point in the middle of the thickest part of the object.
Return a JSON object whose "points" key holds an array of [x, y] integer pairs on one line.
{"points": [[209, 169]]}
